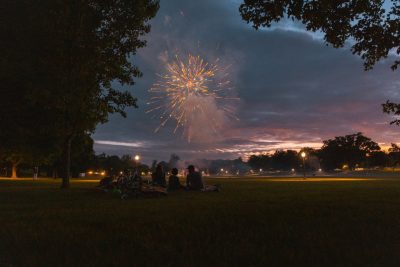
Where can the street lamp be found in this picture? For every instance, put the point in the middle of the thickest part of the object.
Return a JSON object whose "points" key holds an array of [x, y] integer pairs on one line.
{"points": [[137, 160], [303, 156]]}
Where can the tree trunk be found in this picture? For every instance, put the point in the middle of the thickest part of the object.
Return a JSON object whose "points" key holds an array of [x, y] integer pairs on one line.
{"points": [[54, 173], [14, 170], [67, 173]]}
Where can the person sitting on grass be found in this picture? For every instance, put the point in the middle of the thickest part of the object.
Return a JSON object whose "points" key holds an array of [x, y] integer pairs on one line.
{"points": [[194, 181], [130, 184], [173, 181], [106, 184], [158, 177]]}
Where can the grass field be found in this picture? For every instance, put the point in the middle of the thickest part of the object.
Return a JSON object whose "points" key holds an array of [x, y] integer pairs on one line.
{"points": [[252, 222]]}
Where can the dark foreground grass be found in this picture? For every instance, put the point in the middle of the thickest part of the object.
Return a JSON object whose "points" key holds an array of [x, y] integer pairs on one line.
{"points": [[257, 222]]}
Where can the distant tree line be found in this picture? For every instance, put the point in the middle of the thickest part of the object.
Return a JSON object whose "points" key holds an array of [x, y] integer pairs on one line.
{"points": [[349, 151], [50, 163], [84, 160], [280, 160], [342, 152], [113, 165]]}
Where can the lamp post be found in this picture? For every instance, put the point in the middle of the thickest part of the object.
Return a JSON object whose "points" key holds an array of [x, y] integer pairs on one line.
{"points": [[303, 156], [137, 160]]}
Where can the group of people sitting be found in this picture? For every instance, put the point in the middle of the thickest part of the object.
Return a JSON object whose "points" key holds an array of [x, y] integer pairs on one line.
{"points": [[194, 180], [131, 184]]}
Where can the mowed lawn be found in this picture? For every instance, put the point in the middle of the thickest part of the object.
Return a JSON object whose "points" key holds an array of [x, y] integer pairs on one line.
{"points": [[252, 222]]}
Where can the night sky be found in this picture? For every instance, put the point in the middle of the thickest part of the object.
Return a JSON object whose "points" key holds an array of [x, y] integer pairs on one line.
{"points": [[294, 90]]}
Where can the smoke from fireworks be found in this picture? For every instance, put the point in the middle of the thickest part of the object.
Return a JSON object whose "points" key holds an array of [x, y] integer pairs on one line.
{"points": [[194, 95]]}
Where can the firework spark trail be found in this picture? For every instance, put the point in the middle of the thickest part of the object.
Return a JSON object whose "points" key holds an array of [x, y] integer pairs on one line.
{"points": [[185, 92]]}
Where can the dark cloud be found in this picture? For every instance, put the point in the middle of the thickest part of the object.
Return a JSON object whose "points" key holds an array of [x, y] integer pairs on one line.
{"points": [[294, 90]]}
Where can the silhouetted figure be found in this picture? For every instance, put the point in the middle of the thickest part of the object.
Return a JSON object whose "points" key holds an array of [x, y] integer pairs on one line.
{"points": [[132, 185], [106, 184], [194, 181], [173, 181], [158, 176]]}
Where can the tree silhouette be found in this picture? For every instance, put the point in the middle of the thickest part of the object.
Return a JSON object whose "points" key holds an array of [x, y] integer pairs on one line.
{"points": [[373, 30], [70, 57], [394, 155], [346, 150]]}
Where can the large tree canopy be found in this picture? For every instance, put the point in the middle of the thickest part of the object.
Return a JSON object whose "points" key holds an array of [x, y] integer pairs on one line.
{"points": [[348, 150], [372, 27], [68, 58]]}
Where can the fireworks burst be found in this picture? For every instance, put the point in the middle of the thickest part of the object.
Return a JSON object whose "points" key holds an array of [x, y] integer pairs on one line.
{"points": [[191, 93]]}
